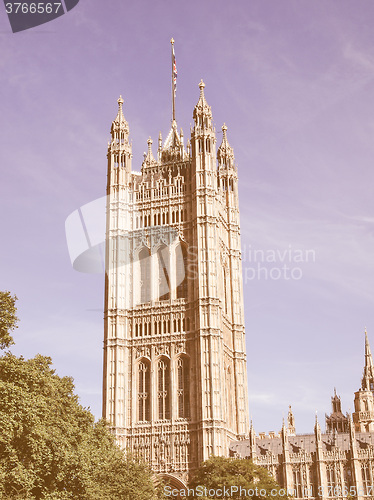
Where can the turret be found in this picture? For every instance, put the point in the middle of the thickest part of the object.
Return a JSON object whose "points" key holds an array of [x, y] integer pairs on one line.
{"points": [[368, 375], [363, 416], [225, 153], [119, 149], [336, 422], [287, 466], [227, 172], [203, 137], [149, 159], [291, 423], [202, 113], [252, 442]]}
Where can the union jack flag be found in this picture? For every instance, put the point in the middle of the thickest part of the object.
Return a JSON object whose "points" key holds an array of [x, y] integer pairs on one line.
{"points": [[175, 73]]}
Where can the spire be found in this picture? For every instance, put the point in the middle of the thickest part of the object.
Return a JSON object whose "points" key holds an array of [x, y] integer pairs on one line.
{"points": [[120, 116], [202, 113], [149, 159], [201, 87], [173, 148], [159, 149], [284, 436], [317, 430], [120, 127], [336, 403], [225, 153], [368, 376], [291, 422]]}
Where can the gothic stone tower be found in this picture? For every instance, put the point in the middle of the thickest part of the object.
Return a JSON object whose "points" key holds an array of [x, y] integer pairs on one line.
{"points": [[363, 416], [175, 386]]}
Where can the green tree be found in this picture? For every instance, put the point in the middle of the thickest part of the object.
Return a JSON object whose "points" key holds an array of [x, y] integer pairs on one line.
{"points": [[8, 319], [228, 477], [50, 446]]}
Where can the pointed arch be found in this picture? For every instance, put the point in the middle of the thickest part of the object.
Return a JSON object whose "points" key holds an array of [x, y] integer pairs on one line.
{"points": [[144, 390], [163, 261], [163, 388], [183, 391], [145, 275], [224, 279], [229, 397], [181, 270]]}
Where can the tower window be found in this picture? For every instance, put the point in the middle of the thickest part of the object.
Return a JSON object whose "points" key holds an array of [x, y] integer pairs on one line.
{"points": [[297, 482], [181, 261], [143, 391], [163, 273], [145, 275], [365, 478], [183, 388], [163, 394], [331, 478]]}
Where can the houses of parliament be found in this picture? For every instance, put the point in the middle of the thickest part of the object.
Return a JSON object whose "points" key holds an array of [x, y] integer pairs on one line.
{"points": [[175, 379]]}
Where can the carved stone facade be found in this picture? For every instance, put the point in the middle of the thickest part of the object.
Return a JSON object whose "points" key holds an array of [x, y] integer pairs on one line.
{"points": [[175, 382], [334, 465]]}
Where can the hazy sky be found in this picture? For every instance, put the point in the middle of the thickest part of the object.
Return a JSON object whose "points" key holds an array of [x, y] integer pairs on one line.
{"points": [[294, 82]]}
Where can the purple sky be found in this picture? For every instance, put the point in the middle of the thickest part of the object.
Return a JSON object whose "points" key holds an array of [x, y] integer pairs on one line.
{"points": [[294, 82]]}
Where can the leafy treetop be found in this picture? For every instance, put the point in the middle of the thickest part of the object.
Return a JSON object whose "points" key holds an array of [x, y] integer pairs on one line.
{"points": [[50, 446], [234, 474], [8, 319]]}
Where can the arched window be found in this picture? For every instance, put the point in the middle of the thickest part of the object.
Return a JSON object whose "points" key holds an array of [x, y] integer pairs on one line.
{"points": [[163, 375], [229, 397], [297, 482], [331, 477], [163, 273], [225, 287], [181, 274], [366, 482], [145, 275], [183, 388], [144, 396]]}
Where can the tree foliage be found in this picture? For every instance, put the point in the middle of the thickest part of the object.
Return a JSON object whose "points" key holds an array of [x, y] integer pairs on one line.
{"points": [[50, 446], [8, 319], [230, 476]]}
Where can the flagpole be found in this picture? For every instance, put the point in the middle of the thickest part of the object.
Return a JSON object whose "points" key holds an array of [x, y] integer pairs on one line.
{"points": [[172, 77]]}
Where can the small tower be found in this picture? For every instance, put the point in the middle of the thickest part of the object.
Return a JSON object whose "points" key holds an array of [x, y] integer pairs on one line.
{"points": [[363, 416], [291, 431], [119, 148], [336, 422]]}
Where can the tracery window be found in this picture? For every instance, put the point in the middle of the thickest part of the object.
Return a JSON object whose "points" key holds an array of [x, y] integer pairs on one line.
{"points": [[181, 262], [297, 483], [366, 482], [183, 388], [225, 288], [163, 375], [331, 479], [163, 273], [229, 398], [145, 275], [144, 396]]}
